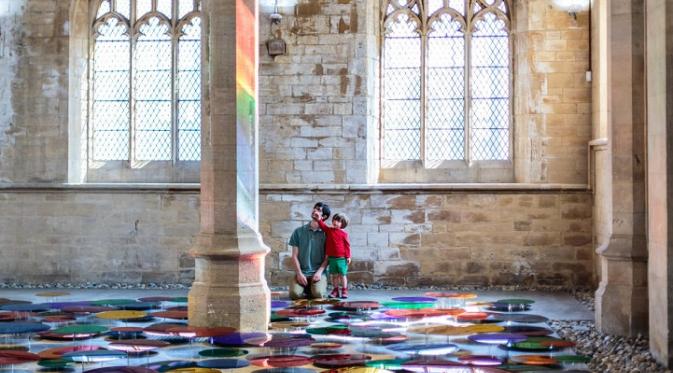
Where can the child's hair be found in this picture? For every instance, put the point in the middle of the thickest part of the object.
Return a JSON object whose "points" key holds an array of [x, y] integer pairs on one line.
{"points": [[342, 218], [326, 212]]}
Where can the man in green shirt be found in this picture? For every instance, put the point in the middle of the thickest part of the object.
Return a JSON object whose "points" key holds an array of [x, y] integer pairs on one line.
{"points": [[309, 259]]}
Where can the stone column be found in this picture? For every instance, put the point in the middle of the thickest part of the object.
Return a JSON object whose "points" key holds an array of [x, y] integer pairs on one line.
{"points": [[621, 299], [229, 288], [659, 149]]}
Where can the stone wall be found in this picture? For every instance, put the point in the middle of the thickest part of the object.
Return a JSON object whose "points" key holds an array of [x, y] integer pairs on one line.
{"points": [[460, 237], [400, 237], [80, 235]]}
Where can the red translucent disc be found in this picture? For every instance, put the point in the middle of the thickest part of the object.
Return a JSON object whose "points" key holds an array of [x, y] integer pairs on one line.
{"points": [[57, 352], [17, 357], [280, 361], [175, 315]]}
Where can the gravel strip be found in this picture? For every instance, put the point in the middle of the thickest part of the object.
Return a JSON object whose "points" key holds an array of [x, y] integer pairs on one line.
{"points": [[608, 353]]}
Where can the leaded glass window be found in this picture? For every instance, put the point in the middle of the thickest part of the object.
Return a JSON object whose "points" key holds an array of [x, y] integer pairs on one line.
{"points": [[446, 76], [146, 81]]}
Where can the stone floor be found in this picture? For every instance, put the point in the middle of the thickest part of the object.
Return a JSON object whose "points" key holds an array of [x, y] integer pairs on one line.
{"points": [[554, 306]]}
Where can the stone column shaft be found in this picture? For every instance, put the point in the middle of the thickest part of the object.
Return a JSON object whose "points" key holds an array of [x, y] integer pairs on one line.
{"points": [[621, 299], [660, 170], [229, 289]]}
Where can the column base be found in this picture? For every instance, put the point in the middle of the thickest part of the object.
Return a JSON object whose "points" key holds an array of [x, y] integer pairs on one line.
{"points": [[621, 306]]}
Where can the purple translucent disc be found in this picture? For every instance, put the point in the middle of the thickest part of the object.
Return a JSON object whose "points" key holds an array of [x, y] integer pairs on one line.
{"points": [[480, 360], [122, 369], [287, 341], [62, 305], [279, 304], [415, 299], [497, 338], [238, 339]]}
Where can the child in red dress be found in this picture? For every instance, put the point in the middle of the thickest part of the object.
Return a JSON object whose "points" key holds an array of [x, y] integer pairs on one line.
{"points": [[338, 251]]}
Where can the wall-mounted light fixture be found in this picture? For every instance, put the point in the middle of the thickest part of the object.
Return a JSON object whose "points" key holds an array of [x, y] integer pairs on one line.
{"points": [[276, 46], [572, 6]]}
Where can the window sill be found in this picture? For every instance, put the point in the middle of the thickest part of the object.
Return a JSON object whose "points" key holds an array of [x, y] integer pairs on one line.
{"points": [[104, 187], [422, 187]]}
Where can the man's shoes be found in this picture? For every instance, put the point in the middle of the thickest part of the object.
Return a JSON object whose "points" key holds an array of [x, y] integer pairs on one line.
{"points": [[344, 293], [334, 293]]}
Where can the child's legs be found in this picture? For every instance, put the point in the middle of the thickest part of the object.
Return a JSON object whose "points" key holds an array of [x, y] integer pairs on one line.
{"points": [[344, 281], [335, 281]]}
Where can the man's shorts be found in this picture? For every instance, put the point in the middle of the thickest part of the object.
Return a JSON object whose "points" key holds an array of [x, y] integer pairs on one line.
{"points": [[338, 266]]}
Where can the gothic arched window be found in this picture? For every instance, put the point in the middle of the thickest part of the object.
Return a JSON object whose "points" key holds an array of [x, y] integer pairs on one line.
{"points": [[145, 81], [446, 74]]}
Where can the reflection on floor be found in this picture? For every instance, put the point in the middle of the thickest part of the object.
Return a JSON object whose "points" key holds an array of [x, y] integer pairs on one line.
{"points": [[146, 331]]}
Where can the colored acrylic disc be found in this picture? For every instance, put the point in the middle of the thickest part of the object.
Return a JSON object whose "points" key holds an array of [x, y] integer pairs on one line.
{"points": [[223, 352], [394, 364], [237, 339], [503, 307], [94, 356], [121, 369], [20, 327], [27, 307], [424, 349], [300, 312], [530, 331], [330, 330], [175, 315], [480, 360], [450, 330], [155, 299], [121, 315], [52, 294], [472, 316], [223, 363], [161, 330], [279, 304], [515, 301], [139, 306], [497, 338], [81, 329], [415, 299], [325, 346], [58, 352], [280, 361], [83, 309], [533, 360], [281, 325], [285, 370], [285, 341], [539, 344], [112, 302], [195, 370], [170, 365], [199, 332], [518, 317], [137, 345], [17, 357], [340, 360], [357, 306]]}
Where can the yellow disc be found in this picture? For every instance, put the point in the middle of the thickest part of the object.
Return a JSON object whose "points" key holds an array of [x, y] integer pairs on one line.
{"points": [[50, 294], [196, 370], [121, 315], [463, 296], [315, 302], [288, 325], [458, 330]]}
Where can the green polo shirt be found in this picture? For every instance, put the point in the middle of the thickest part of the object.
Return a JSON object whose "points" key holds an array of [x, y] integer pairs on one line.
{"points": [[311, 244]]}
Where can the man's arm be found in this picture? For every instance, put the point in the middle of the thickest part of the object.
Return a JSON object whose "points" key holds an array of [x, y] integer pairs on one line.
{"points": [[321, 269], [299, 275], [347, 245]]}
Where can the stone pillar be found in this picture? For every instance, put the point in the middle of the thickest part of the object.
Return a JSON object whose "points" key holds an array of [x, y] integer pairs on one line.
{"points": [[621, 299], [229, 288], [659, 149]]}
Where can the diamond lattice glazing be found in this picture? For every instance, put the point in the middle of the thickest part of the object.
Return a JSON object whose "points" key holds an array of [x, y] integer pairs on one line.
{"points": [[110, 114], [490, 88], [402, 81], [189, 92], [445, 115], [152, 92]]}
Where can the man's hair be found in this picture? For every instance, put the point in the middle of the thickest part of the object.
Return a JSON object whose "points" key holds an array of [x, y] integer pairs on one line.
{"points": [[326, 212], [342, 218]]}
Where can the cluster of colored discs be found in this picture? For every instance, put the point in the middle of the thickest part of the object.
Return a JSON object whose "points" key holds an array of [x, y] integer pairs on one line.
{"points": [[438, 332]]}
